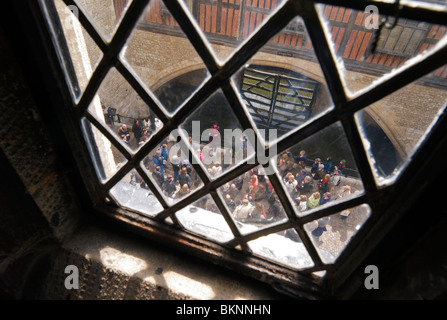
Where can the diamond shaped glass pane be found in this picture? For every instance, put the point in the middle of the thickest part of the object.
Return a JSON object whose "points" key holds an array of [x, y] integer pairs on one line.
{"points": [[284, 91], [331, 234], [283, 247], [169, 168], [228, 23], [393, 127], [319, 170], [133, 193], [164, 59], [77, 51], [105, 14], [118, 106], [252, 201], [106, 158], [352, 35], [204, 218], [216, 136]]}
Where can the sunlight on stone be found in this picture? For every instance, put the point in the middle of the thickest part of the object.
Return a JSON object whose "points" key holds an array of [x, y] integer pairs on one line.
{"points": [[115, 259], [181, 284]]}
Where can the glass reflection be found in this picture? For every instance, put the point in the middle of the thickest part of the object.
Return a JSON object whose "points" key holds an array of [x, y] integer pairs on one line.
{"points": [[393, 127], [204, 218], [106, 158], [284, 247], [79, 46], [133, 193]]}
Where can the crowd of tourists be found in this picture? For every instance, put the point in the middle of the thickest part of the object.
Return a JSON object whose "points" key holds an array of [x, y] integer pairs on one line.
{"points": [[251, 197]]}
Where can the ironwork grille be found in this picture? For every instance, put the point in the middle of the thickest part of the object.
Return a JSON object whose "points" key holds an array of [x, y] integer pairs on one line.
{"points": [[277, 101], [236, 252]]}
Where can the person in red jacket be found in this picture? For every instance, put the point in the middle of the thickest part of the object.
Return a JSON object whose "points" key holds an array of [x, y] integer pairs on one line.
{"points": [[323, 186]]}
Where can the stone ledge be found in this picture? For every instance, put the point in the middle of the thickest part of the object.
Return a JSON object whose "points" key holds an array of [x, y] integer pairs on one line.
{"points": [[114, 268]]}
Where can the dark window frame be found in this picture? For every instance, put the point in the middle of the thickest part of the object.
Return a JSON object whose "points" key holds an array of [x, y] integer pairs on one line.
{"points": [[301, 282]]}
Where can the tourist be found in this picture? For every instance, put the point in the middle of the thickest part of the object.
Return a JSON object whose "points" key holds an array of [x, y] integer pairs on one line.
{"points": [[254, 182], [169, 187], [315, 165], [123, 132], [302, 173], [214, 136], [175, 163], [307, 187], [323, 186], [137, 131], [328, 167], [158, 176], [164, 151], [230, 202], [319, 173], [216, 169], [301, 157], [243, 210], [260, 193], [335, 179], [342, 166], [250, 195], [158, 161], [302, 205], [320, 229], [184, 190], [291, 184], [325, 198], [275, 210], [233, 192], [314, 200], [258, 212], [184, 177]]}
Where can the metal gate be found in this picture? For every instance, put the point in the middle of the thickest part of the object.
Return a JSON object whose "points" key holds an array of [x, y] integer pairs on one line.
{"points": [[278, 101]]}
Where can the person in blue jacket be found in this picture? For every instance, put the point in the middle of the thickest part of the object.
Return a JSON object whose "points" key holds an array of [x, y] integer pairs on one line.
{"points": [[164, 152], [325, 198], [158, 161], [315, 166], [301, 157], [328, 165]]}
